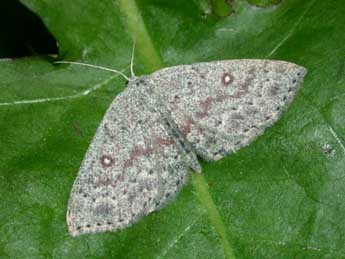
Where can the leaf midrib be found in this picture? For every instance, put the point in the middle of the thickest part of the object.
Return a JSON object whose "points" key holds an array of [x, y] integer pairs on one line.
{"points": [[146, 49]]}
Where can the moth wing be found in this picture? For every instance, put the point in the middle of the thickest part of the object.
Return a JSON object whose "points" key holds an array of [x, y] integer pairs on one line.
{"points": [[224, 105], [131, 168]]}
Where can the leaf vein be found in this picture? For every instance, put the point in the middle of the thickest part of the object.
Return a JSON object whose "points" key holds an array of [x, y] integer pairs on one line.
{"points": [[61, 98], [292, 30], [178, 238], [212, 211], [337, 138]]}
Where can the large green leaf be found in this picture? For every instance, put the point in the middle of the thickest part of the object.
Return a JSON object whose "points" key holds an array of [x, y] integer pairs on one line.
{"points": [[281, 197]]}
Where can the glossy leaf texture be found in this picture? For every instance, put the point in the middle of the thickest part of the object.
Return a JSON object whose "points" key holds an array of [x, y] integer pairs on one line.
{"points": [[283, 196]]}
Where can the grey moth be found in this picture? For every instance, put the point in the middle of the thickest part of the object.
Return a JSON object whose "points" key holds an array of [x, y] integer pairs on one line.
{"points": [[155, 130]]}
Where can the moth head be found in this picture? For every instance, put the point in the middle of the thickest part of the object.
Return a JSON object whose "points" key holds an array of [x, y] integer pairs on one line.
{"points": [[139, 81]]}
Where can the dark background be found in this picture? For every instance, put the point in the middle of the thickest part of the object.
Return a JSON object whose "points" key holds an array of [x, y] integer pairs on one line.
{"points": [[23, 33]]}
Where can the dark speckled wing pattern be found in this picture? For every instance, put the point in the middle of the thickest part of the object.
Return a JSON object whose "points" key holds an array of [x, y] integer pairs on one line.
{"points": [[132, 167], [153, 131], [223, 105]]}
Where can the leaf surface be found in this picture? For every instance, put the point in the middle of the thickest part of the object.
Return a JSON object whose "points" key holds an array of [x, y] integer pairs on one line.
{"points": [[283, 196]]}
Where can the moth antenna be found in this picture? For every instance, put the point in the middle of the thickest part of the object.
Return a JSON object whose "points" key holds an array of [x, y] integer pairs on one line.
{"points": [[132, 58], [94, 66]]}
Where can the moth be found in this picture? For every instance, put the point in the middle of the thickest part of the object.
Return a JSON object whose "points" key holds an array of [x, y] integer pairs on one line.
{"points": [[155, 131]]}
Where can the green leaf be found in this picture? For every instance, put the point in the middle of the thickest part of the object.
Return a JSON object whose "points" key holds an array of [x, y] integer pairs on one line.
{"points": [[222, 7], [283, 196], [264, 3]]}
